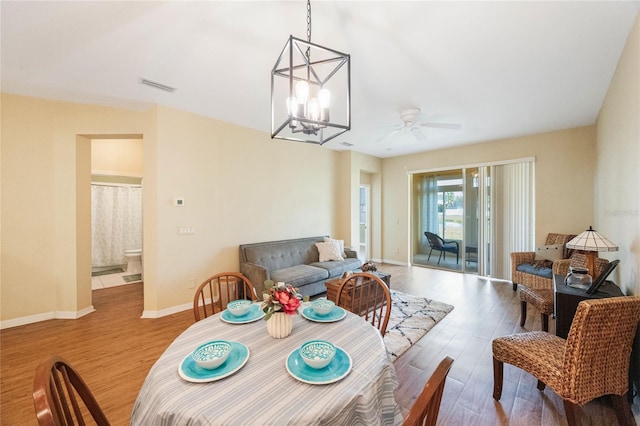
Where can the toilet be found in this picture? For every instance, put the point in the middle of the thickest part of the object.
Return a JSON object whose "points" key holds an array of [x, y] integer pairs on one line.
{"points": [[134, 261]]}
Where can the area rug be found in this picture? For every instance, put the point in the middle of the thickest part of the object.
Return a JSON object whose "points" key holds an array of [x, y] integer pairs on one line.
{"points": [[411, 318]]}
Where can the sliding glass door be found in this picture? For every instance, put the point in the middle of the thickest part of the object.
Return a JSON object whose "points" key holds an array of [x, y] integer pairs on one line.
{"points": [[450, 213], [439, 214], [455, 212]]}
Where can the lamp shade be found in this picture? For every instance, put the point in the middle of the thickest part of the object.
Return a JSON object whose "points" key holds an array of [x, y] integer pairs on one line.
{"points": [[591, 240]]}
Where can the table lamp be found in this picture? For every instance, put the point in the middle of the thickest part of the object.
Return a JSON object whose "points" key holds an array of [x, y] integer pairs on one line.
{"points": [[591, 242]]}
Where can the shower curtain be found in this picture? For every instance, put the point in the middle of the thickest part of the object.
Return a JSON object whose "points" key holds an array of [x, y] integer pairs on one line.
{"points": [[116, 223]]}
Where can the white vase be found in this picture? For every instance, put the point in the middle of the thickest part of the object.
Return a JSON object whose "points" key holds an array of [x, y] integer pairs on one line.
{"points": [[279, 325]]}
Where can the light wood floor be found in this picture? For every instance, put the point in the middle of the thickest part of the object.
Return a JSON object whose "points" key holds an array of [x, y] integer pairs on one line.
{"points": [[113, 350]]}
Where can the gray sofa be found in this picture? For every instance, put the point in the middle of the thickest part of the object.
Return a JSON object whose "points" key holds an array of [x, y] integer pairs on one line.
{"points": [[294, 262]]}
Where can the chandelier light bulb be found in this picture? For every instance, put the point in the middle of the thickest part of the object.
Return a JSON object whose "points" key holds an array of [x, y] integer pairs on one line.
{"points": [[292, 110], [292, 103], [324, 98], [314, 109], [302, 91]]}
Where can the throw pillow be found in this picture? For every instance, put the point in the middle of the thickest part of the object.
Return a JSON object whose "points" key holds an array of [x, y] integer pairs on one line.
{"points": [[551, 252], [328, 252], [339, 243]]}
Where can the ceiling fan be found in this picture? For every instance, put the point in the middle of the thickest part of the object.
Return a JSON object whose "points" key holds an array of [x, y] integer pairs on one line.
{"points": [[409, 118]]}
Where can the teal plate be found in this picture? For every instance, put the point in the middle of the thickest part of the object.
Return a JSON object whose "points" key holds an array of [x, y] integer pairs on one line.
{"points": [[192, 372], [336, 314], [254, 314], [337, 369]]}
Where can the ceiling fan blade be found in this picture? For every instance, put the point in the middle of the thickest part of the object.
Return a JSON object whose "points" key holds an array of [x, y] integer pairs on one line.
{"points": [[393, 132], [417, 133], [452, 126]]}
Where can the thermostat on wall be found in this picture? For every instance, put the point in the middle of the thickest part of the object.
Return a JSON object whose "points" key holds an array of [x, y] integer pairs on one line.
{"points": [[178, 202]]}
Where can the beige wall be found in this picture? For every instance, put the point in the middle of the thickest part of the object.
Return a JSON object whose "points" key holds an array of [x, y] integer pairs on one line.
{"points": [[617, 183], [239, 186], [46, 261], [564, 182], [122, 157]]}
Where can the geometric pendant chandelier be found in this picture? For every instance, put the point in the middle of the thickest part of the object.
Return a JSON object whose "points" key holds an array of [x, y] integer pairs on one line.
{"points": [[310, 91]]}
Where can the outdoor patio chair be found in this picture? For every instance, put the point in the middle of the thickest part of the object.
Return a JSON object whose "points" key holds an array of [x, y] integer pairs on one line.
{"points": [[444, 246]]}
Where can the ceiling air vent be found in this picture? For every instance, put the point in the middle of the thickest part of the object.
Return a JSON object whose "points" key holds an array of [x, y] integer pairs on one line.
{"points": [[157, 85], [346, 144]]}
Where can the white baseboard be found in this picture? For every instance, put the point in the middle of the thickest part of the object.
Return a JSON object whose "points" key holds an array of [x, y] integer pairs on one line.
{"points": [[394, 262], [167, 311], [31, 319], [16, 322], [73, 314]]}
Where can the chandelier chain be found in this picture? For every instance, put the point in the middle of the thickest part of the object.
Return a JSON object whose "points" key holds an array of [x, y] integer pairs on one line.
{"points": [[308, 27]]}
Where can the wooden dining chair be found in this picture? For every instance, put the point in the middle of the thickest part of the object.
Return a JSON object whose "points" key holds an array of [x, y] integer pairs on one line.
{"points": [[368, 296], [216, 291], [593, 361], [427, 406], [61, 397]]}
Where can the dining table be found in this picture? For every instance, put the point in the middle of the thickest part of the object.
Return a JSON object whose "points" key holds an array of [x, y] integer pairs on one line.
{"points": [[265, 382]]}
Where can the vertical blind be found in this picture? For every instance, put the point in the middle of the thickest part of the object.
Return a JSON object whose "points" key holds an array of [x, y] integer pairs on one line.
{"points": [[512, 214]]}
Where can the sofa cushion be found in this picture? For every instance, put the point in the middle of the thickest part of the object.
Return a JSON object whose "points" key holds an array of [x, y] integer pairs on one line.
{"points": [[336, 269], [339, 243], [550, 252], [281, 254], [299, 275], [533, 270], [329, 251]]}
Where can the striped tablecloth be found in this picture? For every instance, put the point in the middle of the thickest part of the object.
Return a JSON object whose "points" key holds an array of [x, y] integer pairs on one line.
{"points": [[263, 392]]}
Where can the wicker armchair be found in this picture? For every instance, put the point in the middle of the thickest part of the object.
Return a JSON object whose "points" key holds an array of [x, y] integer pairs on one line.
{"points": [[543, 298], [528, 257], [593, 361]]}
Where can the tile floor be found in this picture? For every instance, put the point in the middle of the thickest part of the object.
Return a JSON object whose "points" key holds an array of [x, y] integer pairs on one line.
{"points": [[111, 280]]}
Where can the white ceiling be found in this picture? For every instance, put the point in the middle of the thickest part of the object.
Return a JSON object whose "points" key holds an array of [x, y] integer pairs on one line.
{"points": [[500, 69]]}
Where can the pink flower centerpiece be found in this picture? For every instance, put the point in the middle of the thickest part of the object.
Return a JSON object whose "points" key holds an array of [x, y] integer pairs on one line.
{"points": [[279, 297]]}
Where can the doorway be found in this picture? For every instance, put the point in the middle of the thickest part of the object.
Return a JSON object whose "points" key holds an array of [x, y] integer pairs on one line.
{"points": [[116, 211], [364, 247]]}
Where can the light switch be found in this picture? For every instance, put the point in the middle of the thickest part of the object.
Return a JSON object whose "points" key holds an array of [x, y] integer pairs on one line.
{"points": [[186, 230]]}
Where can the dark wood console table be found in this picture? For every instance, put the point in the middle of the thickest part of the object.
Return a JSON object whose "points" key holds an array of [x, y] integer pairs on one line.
{"points": [[567, 299]]}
